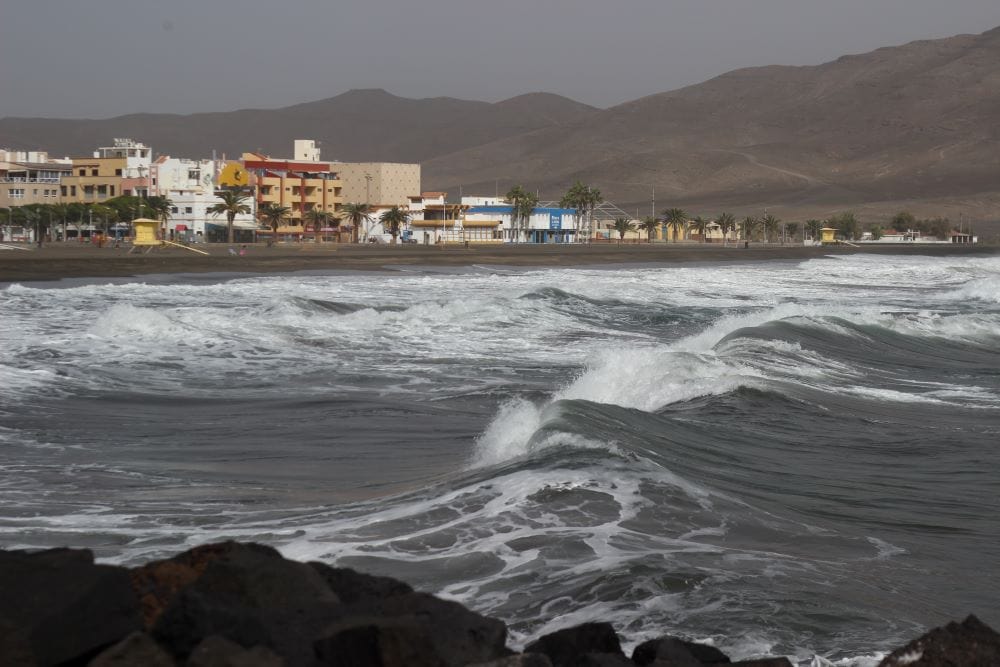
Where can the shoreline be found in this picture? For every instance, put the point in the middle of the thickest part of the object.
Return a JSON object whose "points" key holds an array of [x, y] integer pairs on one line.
{"points": [[58, 261], [230, 603]]}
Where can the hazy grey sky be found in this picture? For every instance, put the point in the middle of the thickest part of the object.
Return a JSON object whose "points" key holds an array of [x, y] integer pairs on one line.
{"points": [[99, 58]]}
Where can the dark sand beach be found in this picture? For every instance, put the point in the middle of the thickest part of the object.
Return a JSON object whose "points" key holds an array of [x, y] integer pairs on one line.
{"points": [[56, 261]]}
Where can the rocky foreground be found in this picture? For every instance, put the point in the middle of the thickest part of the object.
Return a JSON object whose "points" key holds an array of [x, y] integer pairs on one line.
{"points": [[243, 605]]}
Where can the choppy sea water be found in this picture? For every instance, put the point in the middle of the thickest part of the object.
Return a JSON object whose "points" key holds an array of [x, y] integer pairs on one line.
{"points": [[780, 458]]}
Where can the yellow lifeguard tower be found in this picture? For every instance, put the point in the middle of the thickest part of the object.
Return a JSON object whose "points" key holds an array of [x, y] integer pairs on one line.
{"points": [[146, 236], [828, 235]]}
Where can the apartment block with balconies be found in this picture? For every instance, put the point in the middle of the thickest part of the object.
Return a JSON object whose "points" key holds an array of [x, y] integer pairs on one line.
{"points": [[299, 185], [31, 182]]}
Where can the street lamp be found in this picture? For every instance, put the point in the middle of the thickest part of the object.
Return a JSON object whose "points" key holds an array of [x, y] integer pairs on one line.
{"points": [[368, 203]]}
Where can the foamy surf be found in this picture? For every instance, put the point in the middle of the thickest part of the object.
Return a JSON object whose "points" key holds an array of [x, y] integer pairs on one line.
{"points": [[688, 449]]}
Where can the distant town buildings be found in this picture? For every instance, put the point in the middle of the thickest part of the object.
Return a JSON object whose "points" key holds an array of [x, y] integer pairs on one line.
{"points": [[309, 195]]}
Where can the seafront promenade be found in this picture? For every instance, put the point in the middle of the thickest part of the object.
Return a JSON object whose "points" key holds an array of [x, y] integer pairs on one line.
{"points": [[71, 260]]}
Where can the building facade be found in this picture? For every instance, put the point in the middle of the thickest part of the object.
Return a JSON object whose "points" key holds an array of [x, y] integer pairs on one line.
{"points": [[379, 184], [545, 225], [301, 186], [25, 182], [93, 180], [136, 174], [190, 185]]}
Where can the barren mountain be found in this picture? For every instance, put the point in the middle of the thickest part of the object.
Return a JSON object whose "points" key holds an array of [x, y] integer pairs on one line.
{"points": [[914, 126], [359, 125], [910, 125]]}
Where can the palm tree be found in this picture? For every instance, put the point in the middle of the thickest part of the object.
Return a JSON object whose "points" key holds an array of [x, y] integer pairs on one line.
{"points": [[357, 214], [727, 223], [769, 223], [583, 199], [232, 204], [160, 209], [749, 225], [700, 225], [523, 204], [623, 226], [791, 229], [273, 213], [650, 224], [317, 218], [393, 220], [676, 218], [813, 227]]}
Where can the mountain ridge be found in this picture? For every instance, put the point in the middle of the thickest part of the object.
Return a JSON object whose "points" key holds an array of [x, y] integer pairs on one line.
{"points": [[917, 122]]}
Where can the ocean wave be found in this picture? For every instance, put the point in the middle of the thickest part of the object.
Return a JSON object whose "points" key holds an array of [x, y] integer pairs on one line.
{"points": [[981, 289]]}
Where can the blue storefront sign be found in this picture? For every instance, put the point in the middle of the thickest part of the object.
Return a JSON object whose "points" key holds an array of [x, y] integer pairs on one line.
{"points": [[555, 221]]}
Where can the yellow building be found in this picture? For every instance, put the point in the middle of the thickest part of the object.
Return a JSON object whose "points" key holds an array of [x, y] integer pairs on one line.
{"points": [[93, 180], [828, 235], [299, 185]]}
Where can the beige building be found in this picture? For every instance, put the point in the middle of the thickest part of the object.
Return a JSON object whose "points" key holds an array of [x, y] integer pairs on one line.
{"points": [[379, 184], [30, 182], [93, 180]]}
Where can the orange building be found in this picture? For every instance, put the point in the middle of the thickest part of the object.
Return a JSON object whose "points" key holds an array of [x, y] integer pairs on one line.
{"points": [[300, 185]]}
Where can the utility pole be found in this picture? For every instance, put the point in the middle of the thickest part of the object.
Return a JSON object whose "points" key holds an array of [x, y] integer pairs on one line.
{"points": [[368, 204]]}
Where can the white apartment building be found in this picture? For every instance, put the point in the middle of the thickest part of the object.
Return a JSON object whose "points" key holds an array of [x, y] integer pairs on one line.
{"points": [[190, 186]]}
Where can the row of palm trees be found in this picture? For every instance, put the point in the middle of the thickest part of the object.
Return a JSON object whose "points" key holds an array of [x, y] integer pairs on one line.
{"points": [[273, 214], [45, 219], [677, 221], [584, 199]]}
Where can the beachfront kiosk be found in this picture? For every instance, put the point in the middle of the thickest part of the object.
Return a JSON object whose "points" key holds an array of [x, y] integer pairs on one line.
{"points": [[145, 230]]}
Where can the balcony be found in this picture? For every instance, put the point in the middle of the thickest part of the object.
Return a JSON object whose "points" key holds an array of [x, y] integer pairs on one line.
{"points": [[8, 179]]}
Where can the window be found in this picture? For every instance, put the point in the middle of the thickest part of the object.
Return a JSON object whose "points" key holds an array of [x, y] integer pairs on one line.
{"points": [[118, 172], [187, 209], [173, 209], [16, 193], [62, 188], [83, 172], [194, 175], [93, 172], [34, 192], [102, 190], [112, 191], [72, 191]]}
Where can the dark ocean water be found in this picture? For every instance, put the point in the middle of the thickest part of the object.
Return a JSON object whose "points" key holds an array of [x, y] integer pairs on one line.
{"points": [[789, 458]]}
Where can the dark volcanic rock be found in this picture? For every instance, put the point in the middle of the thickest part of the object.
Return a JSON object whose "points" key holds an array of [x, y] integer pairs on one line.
{"points": [[384, 643], [566, 648], [246, 593], [970, 643], [458, 635], [604, 660], [764, 662], [61, 607], [136, 649], [216, 651], [522, 660], [677, 653], [356, 587]]}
